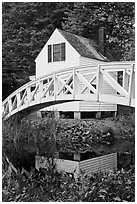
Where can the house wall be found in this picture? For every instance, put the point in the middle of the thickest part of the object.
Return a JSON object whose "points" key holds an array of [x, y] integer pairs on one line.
{"points": [[96, 106], [72, 59], [61, 165], [84, 61], [86, 106], [42, 65], [71, 106], [103, 163]]}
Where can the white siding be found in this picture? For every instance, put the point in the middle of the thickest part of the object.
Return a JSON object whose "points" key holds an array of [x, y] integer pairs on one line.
{"points": [[87, 61], [72, 59], [106, 87], [83, 106], [103, 163], [71, 106], [86, 106], [87, 76], [61, 165], [42, 65], [96, 106]]}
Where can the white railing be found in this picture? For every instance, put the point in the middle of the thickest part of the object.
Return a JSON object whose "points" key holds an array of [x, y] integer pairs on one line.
{"points": [[75, 84]]}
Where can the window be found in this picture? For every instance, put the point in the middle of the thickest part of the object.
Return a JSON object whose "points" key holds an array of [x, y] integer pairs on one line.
{"points": [[49, 53], [56, 52]]}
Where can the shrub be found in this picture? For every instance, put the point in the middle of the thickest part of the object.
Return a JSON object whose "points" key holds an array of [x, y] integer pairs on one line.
{"points": [[28, 138], [55, 187], [45, 137]]}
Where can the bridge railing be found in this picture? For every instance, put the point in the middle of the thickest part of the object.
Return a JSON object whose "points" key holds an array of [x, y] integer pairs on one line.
{"points": [[76, 83]]}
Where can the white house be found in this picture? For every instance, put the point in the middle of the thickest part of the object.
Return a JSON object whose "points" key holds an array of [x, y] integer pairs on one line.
{"points": [[64, 50]]}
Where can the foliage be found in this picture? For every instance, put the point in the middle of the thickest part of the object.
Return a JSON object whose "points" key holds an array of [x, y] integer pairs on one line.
{"points": [[26, 27], [46, 137], [117, 17], [22, 141], [27, 139], [52, 186], [102, 136], [12, 81], [84, 135]]}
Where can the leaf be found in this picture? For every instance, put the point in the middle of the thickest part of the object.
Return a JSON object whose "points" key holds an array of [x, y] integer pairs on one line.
{"points": [[102, 196], [117, 199], [103, 191], [17, 198], [86, 194]]}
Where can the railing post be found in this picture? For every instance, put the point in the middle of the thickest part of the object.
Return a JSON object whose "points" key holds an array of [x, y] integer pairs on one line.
{"points": [[28, 94], [99, 82], [10, 105], [40, 89], [55, 87], [3, 110], [18, 99], [75, 84], [131, 82], [125, 80]]}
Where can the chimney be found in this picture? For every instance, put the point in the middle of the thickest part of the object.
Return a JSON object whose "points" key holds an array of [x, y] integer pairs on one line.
{"points": [[102, 39]]}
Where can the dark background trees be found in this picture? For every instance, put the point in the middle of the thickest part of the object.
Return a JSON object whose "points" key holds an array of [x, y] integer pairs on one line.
{"points": [[26, 26], [118, 19]]}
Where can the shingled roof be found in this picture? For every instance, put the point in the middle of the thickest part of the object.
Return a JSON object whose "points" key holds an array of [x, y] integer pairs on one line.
{"points": [[84, 46]]}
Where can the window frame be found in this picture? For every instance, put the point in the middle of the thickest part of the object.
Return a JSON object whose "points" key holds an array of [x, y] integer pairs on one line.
{"points": [[57, 52], [53, 51]]}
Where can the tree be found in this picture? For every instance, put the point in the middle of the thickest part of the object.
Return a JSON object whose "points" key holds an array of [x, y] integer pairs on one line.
{"points": [[26, 28], [118, 19]]}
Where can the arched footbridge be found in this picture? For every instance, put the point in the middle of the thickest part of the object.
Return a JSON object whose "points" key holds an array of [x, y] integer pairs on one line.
{"points": [[76, 84]]}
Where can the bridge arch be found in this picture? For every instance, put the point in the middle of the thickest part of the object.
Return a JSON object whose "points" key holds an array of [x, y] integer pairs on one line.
{"points": [[72, 85]]}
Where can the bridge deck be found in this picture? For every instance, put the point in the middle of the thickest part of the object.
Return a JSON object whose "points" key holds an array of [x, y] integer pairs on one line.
{"points": [[73, 85]]}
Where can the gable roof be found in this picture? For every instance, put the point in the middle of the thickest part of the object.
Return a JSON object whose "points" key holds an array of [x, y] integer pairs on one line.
{"points": [[84, 46]]}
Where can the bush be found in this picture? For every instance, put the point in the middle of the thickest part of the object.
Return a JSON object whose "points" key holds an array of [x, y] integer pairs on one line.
{"points": [[27, 139], [22, 141], [55, 187], [46, 137]]}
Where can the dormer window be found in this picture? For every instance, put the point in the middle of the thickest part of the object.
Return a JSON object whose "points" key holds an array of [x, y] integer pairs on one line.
{"points": [[56, 52]]}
